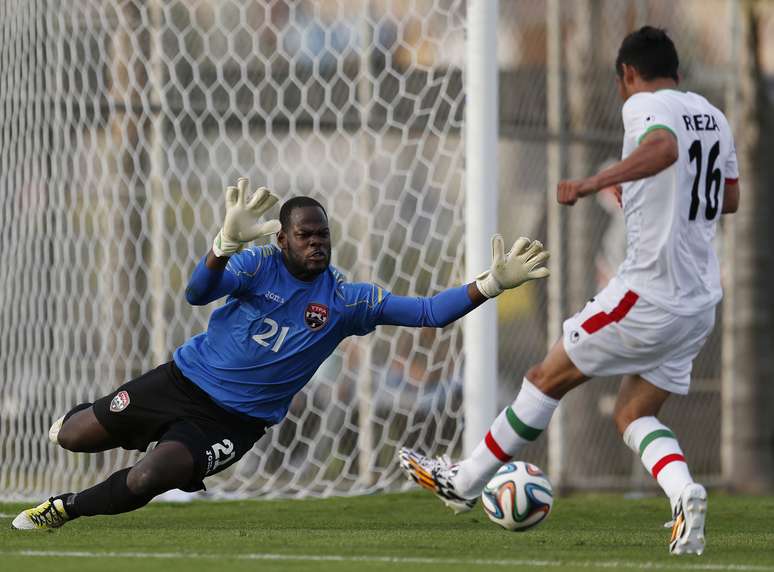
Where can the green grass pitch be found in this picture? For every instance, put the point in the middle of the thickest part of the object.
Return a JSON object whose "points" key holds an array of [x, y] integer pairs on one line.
{"points": [[395, 532]]}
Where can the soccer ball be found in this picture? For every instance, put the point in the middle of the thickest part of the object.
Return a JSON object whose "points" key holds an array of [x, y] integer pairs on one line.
{"points": [[518, 497]]}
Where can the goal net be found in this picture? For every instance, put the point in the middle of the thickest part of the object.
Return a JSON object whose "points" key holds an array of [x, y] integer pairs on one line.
{"points": [[122, 121]]}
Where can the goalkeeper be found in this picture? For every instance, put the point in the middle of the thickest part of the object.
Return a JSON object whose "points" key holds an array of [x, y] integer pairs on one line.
{"points": [[287, 310]]}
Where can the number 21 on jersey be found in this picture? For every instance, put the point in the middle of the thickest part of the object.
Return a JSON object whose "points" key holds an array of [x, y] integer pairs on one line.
{"points": [[265, 338]]}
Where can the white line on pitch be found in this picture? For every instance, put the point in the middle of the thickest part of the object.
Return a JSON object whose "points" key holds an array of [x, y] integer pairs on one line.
{"points": [[395, 560]]}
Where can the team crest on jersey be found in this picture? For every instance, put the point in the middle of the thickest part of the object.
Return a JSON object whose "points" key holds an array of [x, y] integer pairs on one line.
{"points": [[119, 402], [316, 316]]}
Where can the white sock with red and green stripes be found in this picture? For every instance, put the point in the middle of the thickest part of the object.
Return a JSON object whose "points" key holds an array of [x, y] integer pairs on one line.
{"points": [[517, 425], [660, 452]]}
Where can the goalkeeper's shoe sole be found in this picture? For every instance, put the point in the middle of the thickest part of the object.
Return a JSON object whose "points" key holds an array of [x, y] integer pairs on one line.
{"points": [[53, 431], [47, 515], [436, 476], [690, 515]]}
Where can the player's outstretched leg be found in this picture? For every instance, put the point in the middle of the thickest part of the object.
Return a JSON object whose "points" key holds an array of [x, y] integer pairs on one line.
{"points": [[520, 423], [170, 465], [660, 452], [80, 431], [458, 485]]}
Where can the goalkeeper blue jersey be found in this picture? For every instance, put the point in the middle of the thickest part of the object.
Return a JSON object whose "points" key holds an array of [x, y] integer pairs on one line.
{"points": [[265, 343]]}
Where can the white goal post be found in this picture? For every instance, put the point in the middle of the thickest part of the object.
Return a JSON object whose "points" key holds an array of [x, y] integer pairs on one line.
{"points": [[481, 186]]}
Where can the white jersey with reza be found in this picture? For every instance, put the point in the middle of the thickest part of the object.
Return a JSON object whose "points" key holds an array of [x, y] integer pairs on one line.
{"points": [[654, 316], [671, 217]]}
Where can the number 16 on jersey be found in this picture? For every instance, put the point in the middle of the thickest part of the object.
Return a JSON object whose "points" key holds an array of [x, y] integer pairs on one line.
{"points": [[713, 179]]}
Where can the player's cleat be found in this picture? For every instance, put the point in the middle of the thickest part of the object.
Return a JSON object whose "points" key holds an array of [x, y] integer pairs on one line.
{"points": [[689, 516], [53, 431], [47, 515], [436, 476]]}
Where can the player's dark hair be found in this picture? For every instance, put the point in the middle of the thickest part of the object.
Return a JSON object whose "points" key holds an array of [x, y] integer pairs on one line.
{"points": [[296, 203], [651, 52]]}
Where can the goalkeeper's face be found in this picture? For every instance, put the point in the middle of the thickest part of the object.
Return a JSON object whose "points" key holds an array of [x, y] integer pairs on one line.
{"points": [[306, 242]]}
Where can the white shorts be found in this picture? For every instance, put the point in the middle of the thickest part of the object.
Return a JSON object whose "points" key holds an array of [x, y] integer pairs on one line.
{"points": [[619, 333]]}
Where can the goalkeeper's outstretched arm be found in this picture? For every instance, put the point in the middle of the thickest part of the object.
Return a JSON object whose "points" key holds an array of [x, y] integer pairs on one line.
{"points": [[509, 270]]}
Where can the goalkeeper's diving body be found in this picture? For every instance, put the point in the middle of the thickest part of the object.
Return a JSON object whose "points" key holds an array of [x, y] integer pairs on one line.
{"points": [[287, 311]]}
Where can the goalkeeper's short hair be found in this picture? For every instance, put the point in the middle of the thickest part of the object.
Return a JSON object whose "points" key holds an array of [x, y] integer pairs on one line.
{"points": [[297, 202]]}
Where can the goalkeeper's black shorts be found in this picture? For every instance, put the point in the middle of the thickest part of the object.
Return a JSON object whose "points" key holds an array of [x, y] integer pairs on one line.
{"points": [[164, 405]]}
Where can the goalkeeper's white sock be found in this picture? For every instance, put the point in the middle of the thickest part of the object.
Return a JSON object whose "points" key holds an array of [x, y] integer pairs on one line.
{"points": [[660, 452], [517, 425]]}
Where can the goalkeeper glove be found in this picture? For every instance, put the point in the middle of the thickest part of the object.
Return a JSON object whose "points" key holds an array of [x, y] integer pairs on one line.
{"points": [[241, 224], [514, 268]]}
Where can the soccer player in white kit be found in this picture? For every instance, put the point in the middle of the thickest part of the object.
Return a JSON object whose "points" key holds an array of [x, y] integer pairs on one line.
{"points": [[677, 176]]}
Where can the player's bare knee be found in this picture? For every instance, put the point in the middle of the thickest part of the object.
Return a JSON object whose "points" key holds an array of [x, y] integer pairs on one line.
{"points": [[623, 418], [70, 438], [535, 374], [550, 385], [65, 442]]}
